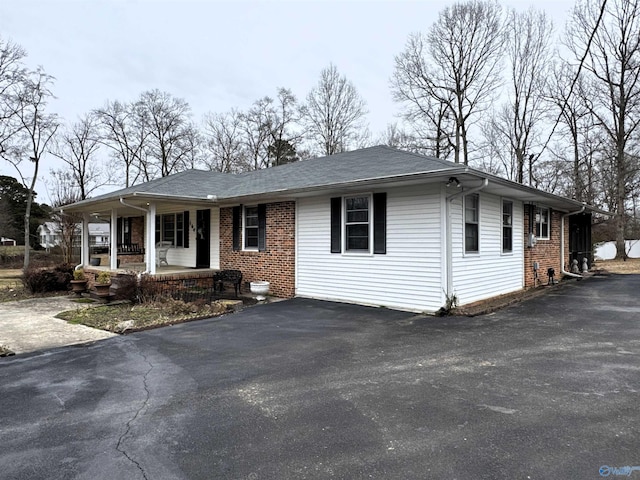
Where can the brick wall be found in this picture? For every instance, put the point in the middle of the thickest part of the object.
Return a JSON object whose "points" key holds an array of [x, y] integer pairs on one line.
{"points": [[545, 252], [275, 265], [137, 231]]}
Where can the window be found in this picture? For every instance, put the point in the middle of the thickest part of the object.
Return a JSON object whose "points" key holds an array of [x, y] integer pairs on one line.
{"points": [[179, 229], [362, 220], [171, 228], [542, 223], [507, 226], [471, 221], [357, 223], [251, 227]]}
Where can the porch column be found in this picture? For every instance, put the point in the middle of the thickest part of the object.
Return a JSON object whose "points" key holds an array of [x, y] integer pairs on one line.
{"points": [[150, 247], [84, 240], [113, 233]]}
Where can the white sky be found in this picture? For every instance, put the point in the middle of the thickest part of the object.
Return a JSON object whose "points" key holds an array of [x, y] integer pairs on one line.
{"points": [[218, 55]]}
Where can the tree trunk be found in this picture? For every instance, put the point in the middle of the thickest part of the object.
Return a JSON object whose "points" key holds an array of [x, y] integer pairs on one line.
{"points": [[27, 224]]}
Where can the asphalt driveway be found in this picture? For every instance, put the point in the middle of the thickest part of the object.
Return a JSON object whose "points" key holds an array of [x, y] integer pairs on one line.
{"points": [[308, 389]]}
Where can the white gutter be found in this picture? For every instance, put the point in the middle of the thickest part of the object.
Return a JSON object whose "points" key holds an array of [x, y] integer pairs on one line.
{"points": [[449, 253], [133, 206], [562, 270]]}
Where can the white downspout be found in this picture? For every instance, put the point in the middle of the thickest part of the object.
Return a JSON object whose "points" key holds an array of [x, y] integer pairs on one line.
{"points": [[148, 257], [449, 252], [562, 270]]}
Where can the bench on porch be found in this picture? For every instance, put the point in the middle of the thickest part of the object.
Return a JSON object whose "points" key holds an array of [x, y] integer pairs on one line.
{"points": [[130, 249], [230, 276]]}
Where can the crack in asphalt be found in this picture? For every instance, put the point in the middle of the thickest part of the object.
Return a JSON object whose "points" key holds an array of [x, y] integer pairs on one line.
{"points": [[119, 446]]}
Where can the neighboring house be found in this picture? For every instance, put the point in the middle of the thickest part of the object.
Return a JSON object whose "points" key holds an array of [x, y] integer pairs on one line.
{"points": [[376, 226], [50, 234], [7, 242]]}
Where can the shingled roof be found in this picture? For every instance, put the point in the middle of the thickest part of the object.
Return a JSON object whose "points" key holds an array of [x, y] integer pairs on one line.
{"points": [[379, 163], [358, 165]]}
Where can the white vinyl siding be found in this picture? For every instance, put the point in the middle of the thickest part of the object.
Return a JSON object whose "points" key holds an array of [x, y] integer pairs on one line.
{"points": [[408, 277], [187, 256], [488, 273]]}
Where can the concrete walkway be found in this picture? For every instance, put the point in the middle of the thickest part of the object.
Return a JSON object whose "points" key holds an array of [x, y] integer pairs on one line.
{"points": [[30, 325]]}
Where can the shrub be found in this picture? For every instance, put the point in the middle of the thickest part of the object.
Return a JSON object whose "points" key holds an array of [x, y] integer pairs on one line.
{"points": [[103, 278], [38, 280], [78, 274], [126, 287], [149, 291]]}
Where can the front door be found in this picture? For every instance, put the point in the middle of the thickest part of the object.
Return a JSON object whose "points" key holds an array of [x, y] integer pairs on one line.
{"points": [[203, 240]]}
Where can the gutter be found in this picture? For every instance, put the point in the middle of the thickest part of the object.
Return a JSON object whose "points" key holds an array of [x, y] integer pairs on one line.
{"points": [[562, 270], [449, 248]]}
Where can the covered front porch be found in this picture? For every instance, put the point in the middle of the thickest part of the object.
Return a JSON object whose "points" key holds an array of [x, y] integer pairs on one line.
{"points": [[154, 236]]}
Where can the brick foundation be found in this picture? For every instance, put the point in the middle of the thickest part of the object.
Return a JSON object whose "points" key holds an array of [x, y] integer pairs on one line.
{"points": [[275, 265], [545, 252]]}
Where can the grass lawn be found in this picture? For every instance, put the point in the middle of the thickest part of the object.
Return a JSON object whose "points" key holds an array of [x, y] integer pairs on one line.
{"points": [[11, 287]]}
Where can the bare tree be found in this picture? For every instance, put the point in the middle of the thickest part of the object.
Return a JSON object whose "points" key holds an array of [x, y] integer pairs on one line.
{"points": [[581, 136], [76, 146], [283, 138], [65, 191], [334, 112], [610, 33], [169, 143], [12, 73], [223, 140], [33, 130], [125, 134], [456, 64], [256, 125], [425, 111], [528, 48]]}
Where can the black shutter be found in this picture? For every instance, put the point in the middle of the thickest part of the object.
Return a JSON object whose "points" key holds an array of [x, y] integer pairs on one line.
{"points": [[380, 223], [336, 224], [262, 227], [186, 228], [237, 222]]}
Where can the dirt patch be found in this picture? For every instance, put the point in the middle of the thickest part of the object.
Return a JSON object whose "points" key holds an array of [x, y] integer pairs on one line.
{"points": [[484, 307], [127, 318]]}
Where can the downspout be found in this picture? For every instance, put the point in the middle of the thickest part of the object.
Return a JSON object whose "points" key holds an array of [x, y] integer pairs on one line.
{"points": [[562, 270], [148, 233], [449, 252]]}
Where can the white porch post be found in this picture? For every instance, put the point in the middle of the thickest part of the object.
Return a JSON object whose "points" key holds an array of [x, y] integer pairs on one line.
{"points": [[84, 240], [150, 248], [113, 233]]}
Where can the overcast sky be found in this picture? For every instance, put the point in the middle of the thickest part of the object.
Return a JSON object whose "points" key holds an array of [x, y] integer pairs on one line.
{"points": [[218, 55]]}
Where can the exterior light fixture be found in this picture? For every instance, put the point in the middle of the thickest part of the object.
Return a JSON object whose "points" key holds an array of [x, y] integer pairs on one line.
{"points": [[453, 180]]}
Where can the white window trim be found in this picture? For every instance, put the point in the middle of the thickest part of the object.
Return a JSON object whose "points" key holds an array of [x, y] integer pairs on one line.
{"points": [[174, 241], [464, 226], [502, 250], [535, 224], [244, 217], [343, 222]]}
